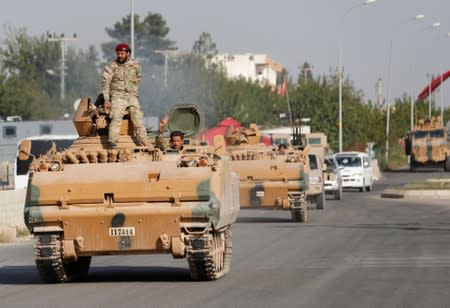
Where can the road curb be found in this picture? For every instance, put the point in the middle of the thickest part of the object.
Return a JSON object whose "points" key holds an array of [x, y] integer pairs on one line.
{"points": [[393, 194], [416, 194]]}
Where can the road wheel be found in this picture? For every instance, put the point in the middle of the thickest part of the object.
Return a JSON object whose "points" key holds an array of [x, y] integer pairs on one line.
{"points": [[447, 163], [216, 261], [320, 201], [412, 164], [49, 262], [299, 214]]}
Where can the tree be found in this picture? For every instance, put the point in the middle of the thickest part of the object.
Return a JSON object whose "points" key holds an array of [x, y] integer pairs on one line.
{"points": [[204, 46], [83, 78], [27, 86], [30, 79], [150, 35]]}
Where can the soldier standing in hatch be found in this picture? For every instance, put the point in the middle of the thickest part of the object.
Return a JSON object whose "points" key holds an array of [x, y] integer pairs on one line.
{"points": [[176, 137], [120, 84]]}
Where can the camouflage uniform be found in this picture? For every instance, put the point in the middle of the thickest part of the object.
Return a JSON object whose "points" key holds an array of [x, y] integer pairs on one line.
{"points": [[161, 143], [120, 83]]}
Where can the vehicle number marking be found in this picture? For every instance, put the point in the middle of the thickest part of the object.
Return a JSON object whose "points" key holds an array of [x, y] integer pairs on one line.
{"points": [[260, 193], [122, 231]]}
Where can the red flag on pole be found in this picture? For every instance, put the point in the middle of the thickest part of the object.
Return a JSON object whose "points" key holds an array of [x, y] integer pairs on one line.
{"points": [[283, 88]]}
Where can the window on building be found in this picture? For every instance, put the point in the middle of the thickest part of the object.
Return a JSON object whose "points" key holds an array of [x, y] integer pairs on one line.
{"points": [[46, 129], [9, 132], [260, 68]]}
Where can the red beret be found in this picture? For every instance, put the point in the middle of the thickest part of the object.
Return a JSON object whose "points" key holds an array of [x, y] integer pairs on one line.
{"points": [[123, 47]]}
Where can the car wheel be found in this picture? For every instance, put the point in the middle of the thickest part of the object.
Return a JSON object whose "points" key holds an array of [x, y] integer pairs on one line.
{"points": [[369, 188], [338, 193], [363, 187]]}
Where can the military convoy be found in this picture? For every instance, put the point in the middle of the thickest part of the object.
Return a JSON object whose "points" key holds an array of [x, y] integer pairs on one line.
{"points": [[268, 179], [92, 200], [428, 145]]}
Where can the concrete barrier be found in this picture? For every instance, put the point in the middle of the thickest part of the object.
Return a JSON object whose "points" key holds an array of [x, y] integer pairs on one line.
{"points": [[8, 234], [11, 213]]}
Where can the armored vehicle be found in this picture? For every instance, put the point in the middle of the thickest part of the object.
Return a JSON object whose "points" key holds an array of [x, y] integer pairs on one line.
{"points": [[92, 200], [268, 179], [428, 145], [318, 144]]}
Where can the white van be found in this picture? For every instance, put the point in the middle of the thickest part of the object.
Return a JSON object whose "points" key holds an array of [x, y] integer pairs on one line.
{"points": [[357, 170]]}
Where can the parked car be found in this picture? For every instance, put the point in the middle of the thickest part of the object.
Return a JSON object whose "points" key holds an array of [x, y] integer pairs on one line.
{"points": [[357, 170], [333, 178]]}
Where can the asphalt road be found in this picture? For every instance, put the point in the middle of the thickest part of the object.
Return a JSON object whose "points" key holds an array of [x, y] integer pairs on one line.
{"points": [[363, 251]]}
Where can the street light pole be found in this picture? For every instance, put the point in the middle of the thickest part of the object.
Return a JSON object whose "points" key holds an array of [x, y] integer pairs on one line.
{"points": [[433, 26], [442, 94], [132, 28], [388, 110], [366, 2], [430, 76], [166, 53], [61, 39]]}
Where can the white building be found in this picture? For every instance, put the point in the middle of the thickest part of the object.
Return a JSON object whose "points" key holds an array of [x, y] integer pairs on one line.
{"points": [[254, 67]]}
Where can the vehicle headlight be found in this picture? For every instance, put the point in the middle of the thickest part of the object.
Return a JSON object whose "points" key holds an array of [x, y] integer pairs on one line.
{"points": [[55, 166]]}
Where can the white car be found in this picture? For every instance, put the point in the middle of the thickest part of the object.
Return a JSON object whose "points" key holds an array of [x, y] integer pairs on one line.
{"points": [[357, 170], [333, 178]]}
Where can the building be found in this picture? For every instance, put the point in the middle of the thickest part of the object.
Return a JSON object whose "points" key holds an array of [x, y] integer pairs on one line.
{"points": [[255, 67]]}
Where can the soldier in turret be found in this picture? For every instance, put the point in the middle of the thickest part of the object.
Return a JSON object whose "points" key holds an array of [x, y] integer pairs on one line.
{"points": [[176, 137], [120, 84]]}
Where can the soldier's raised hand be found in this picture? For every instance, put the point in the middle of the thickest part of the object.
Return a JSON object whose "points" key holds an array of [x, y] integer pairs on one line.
{"points": [[163, 123]]}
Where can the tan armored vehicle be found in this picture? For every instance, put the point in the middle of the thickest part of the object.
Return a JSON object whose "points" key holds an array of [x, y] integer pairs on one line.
{"points": [[267, 178], [428, 145], [318, 144], [94, 200]]}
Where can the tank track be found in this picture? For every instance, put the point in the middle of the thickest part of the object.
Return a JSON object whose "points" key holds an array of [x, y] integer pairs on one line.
{"points": [[213, 260], [299, 214], [49, 262], [48, 258], [297, 202]]}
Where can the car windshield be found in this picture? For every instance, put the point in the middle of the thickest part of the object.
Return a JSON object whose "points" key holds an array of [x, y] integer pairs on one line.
{"points": [[439, 133], [349, 161], [420, 134], [330, 164]]}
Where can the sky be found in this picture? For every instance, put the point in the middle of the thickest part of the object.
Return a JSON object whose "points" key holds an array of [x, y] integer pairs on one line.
{"points": [[289, 31]]}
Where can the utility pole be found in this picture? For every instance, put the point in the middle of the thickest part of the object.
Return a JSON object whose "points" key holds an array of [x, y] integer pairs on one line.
{"points": [[61, 39], [166, 53], [379, 95], [132, 28]]}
